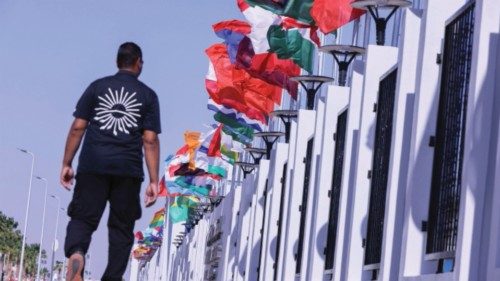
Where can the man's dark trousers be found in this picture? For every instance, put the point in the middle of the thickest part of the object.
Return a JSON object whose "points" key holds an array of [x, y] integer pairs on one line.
{"points": [[92, 192]]}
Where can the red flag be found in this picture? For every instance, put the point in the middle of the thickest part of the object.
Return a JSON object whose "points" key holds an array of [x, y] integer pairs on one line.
{"points": [[268, 67], [232, 25], [237, 89], [215, 143], [163, 190], [329, 15], [139, 236]]}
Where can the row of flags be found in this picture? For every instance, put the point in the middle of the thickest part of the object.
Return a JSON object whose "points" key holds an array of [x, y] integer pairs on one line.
{"points": [[249, 70], [149, 240], [247, 74]]}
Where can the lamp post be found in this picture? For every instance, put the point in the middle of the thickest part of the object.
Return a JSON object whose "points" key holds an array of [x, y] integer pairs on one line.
{"points": [[374, 7], [55, 236], [311, 84], [39, 263], [23, 244]]}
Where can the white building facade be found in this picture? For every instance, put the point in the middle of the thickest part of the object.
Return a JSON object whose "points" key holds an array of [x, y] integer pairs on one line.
{"points": [[394, 176]]}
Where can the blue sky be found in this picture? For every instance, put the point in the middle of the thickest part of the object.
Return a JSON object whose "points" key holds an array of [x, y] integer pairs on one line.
{"points": [[51, 50]]}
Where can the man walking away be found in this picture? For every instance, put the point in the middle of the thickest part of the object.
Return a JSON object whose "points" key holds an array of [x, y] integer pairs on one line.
{"points": [[119, 116]]}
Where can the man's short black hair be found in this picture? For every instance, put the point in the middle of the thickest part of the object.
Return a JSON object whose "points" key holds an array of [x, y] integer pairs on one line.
{"points": [[128, 53]]}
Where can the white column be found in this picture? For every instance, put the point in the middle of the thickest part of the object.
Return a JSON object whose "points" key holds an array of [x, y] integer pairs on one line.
{"points": [[336, 102], [420, 166], [289, 174], [349, 170], [309, 218], [230, 221], [287, 262], [257, 227], [400, 145], [268, 259], [479, 174], [248, 190], [379, 61]]}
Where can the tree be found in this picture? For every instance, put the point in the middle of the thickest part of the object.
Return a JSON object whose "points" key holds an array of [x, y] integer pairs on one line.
{"points": [[10, 246]]}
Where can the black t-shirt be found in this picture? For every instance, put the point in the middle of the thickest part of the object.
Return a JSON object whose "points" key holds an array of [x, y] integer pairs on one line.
{"points": [[118, 108]]}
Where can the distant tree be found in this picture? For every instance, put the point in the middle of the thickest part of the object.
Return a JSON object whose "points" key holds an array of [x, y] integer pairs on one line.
{"points": [[10, 245]]}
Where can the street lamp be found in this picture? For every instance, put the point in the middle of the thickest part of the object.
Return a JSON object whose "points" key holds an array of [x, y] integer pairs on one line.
{"points": [[374, 7], [39, 263], [23, 245], [55, 235]]}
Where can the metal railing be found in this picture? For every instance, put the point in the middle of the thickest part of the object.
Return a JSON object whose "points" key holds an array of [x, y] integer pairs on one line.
{"points": [[334, 194], [380, 170], [450, 133], [303, 206]]}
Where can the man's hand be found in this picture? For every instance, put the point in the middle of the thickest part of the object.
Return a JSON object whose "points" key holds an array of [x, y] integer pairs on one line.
{"points": [[75, 136], [67, 175], [151, 194]]}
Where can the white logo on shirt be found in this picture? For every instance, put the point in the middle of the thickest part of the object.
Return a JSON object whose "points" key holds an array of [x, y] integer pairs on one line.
{"points": [[117, 111]]}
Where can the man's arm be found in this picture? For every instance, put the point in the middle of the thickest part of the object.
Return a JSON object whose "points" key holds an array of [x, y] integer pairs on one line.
{"points": [[152, 155], [73, 141]]}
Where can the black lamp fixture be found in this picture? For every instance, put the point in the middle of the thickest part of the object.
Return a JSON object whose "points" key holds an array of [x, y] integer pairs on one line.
{"points": [[374, 7], [343, 55], [286, 117], [215, 200], [269, 139], [256, 153], [311, 84], [246, 168]]}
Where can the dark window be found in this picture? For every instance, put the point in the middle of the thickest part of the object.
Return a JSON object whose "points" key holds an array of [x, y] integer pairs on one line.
{"points": [[303, 206], [450, 134], [280, 219], [338, 164], [380, 169]]}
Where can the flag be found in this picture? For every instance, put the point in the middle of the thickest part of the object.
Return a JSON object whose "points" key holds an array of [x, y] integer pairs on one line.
{"points": [[192, 140], [182, 181], [158, 218], [268, 67], [208, 156], [292, 43], [139, 236], [229, 149], [232, 31], [230, 98], [297, 9], [260, 20], [215, 143], [237, 136], [265, 22], [253, 52], [234, 125], [178, 213], [233, 113], [329, 15], [237, 89], [163, 191]]}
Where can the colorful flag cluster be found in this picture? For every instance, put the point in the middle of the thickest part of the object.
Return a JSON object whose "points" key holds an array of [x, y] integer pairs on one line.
{"points": [[249, 70], [149, 241], [194, 174]]}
